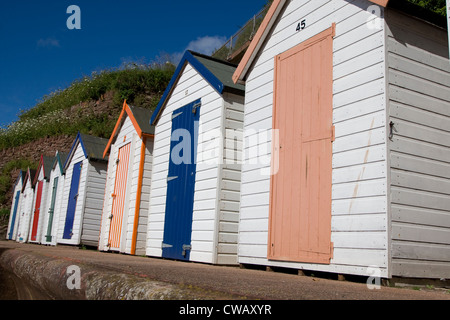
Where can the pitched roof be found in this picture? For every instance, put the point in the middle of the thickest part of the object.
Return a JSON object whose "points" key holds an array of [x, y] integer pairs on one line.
{"points": [[59, 159], [263, 32], [45, 163], [140, 117], [29, 176], [216, 72], [20, 177], [92, 147]]}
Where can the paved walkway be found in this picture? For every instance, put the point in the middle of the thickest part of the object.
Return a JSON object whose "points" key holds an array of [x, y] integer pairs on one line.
{"points": [[111, 276]]}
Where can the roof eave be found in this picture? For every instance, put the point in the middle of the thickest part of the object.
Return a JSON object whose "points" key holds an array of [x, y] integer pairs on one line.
{"points": [[245, 65]]}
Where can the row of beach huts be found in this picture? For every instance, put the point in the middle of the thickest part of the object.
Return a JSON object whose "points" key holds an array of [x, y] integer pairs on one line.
{"points": [[327, 149]]}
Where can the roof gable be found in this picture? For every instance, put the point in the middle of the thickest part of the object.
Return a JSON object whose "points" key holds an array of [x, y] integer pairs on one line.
{"points": [[29, 178], [261, 35], [92, 148], [216, 72], [45, 164], [59, 160], [20, 178], [140, 118]]}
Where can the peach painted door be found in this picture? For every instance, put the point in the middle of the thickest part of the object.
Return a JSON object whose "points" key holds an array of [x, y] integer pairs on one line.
{"points": [[119, 195], [300, 199]]}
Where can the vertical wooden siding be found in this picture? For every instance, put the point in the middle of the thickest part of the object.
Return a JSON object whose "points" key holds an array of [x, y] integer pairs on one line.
{"points": [[190, 87], [419, 107], [13, 224], [77, 157], [300, 211], [25, 212], [55, 173], [119, 193], [37, 210]]}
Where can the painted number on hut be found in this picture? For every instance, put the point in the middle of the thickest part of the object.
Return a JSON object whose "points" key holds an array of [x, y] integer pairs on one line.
{"points": [[301, 25]]}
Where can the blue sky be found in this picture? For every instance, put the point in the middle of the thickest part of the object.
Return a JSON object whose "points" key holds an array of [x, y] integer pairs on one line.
{"points": [[39, 54]]}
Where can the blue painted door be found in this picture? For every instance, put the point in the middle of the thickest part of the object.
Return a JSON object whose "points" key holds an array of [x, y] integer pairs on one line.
{"points": [[73, 197], [13, 219], [181, 183]]}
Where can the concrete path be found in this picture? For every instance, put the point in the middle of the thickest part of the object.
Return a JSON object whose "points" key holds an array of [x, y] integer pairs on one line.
{"points": [[65, 273]]}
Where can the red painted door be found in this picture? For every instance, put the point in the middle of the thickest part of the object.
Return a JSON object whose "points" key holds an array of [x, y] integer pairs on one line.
{"points": [[120, 187], [300, 199], [37, 210]]}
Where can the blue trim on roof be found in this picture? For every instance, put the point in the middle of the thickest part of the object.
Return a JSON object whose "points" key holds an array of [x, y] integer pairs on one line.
{"points": [[20, 176], [188, 57], [73, 146]]}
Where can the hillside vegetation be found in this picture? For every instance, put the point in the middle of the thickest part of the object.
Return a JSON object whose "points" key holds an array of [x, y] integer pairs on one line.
{"points": [[69, 111], [89, 105]]}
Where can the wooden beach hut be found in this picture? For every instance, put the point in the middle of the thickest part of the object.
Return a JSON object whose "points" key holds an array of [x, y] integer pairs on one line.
{"points": [[54, 199], [84, 190], [127, 193], [15, 206], [194, 198], [356, 96], [41, 181], [26, 206]]}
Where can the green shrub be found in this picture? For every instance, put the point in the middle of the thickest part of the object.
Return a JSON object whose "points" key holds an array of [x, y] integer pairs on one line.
{"points": [[142, 86]]}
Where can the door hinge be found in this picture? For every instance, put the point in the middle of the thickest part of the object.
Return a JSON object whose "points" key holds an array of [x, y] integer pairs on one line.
{"points": [[195, 107], [176, 115], [185, 248], [165, 245], [171, 178]]}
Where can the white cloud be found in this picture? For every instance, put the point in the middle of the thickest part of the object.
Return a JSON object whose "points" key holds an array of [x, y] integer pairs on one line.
{"points": [[49, 42], [205, 45]]}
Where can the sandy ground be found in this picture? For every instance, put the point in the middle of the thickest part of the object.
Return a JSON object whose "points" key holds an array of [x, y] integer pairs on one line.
{"points": [[209, 282]]}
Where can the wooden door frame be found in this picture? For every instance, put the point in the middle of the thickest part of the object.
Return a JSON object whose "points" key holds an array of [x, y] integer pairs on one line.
{"points": [[330, 32]]}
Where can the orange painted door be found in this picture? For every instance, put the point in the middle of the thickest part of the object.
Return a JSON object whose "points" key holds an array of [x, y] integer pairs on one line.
{"points": [[300, 198], [119, 194]]}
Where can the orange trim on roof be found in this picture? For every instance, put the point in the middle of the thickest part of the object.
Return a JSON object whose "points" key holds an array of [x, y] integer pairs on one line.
{"points": [[126, 109], [263, 31]]}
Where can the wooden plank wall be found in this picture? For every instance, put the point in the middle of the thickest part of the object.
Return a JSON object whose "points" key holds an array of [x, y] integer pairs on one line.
{"points": [[77, 223], [25, 212], [190, 87], [230, 184], [56, 172], [92, 209], [419, 107], [359, 191]]}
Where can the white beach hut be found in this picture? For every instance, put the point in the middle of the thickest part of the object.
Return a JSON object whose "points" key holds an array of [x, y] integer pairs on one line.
{"points": [[84, 190], [26, 206], [41, 182], [194, 198], [127, 193], [52, 209], [357, 94], [15, 207]]}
